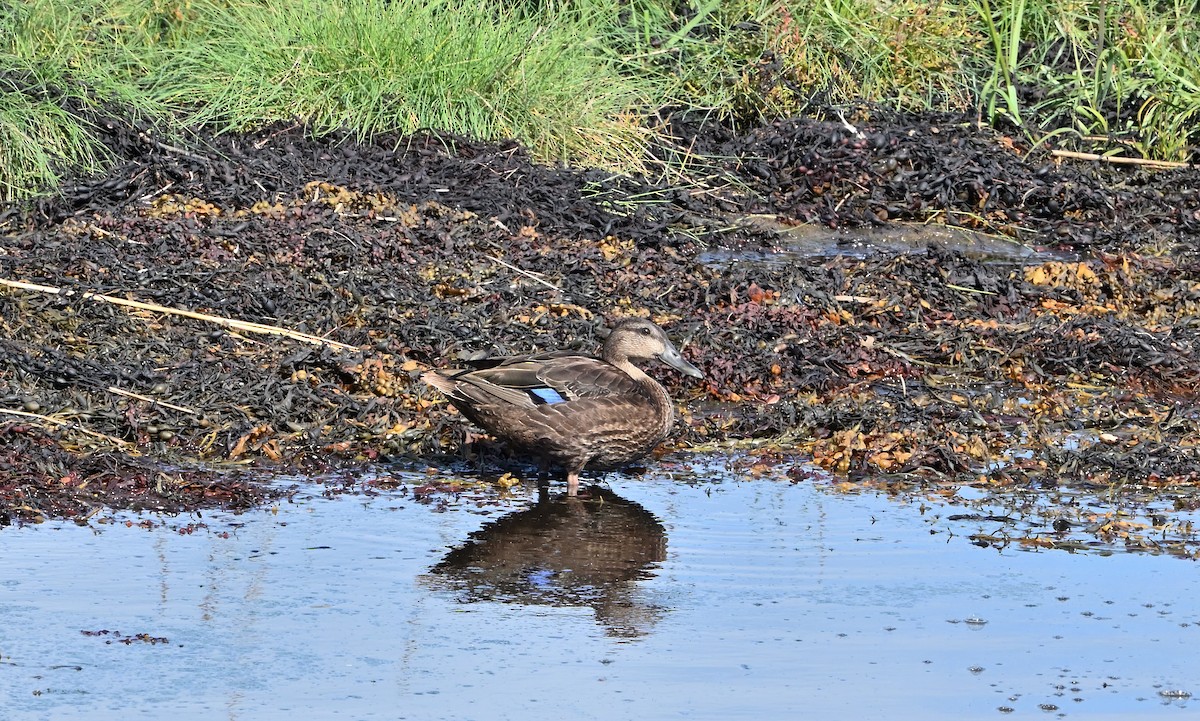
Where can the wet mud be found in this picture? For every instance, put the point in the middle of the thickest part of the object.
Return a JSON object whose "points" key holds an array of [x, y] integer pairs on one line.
{"points": [[206, 315]]}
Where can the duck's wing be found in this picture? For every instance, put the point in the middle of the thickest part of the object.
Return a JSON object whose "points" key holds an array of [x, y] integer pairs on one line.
{"points": [[531, 381], [578, 377]]}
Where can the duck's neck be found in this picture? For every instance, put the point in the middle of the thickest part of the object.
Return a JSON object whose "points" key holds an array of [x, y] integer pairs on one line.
{"points": [[633, 371], [658, 395]]}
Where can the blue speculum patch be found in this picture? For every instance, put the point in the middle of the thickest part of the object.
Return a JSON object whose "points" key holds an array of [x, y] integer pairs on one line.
{"points": [[547, 395]]}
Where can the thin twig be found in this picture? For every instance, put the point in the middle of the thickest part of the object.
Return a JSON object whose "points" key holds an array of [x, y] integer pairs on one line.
{"points": [[846, 124], [172, 149], [149, 399], [523, 272], [1120, 159], [227, 322], [965, 289]]}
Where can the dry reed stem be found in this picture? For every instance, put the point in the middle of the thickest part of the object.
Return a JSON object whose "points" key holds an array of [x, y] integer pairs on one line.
{"points": [[227, 322], [1119, 159], [149, 399]]}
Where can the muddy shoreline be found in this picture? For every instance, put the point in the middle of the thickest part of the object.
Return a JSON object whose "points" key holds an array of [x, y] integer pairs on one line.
{"points": [[929, 369]]}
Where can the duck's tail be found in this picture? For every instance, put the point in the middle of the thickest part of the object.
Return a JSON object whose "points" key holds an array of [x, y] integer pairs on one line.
{"points": [[439, 381]]}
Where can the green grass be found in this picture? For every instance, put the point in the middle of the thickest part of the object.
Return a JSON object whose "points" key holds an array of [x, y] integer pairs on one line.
{"points": [[403, 65], [746, 60], [371, 66], [1122, 69], [39, 141], [575, 80]]}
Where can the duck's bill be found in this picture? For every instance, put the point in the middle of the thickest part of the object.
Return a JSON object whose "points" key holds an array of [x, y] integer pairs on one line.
{"points": [[676, 361]]}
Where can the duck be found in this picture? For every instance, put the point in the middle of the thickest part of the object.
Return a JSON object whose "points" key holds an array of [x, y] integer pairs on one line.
{"points": [[569, 409]]}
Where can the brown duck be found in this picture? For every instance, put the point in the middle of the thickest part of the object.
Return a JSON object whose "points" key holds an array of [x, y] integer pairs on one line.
{"points": [[573, 410]]}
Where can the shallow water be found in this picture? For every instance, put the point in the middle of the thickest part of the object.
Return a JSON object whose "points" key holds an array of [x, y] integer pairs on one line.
{"points": [[805, 242], [687, 592]]}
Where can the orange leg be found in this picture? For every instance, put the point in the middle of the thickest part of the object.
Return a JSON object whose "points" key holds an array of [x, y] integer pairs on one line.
{"points": [[572, 483]]}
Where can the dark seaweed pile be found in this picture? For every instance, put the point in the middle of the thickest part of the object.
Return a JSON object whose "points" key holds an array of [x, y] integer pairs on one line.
{"points": [[920, 368], [948, 169]]}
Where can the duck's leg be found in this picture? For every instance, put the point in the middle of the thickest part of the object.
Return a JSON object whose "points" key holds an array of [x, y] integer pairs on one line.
{"points": [[544, 474], [572, 482]]}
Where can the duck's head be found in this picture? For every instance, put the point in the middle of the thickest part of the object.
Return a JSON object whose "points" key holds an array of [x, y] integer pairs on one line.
{"points": [[640, 339]]}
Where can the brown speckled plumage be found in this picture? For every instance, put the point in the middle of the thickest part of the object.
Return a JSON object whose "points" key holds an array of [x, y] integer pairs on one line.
{"points": [[575, 411]]}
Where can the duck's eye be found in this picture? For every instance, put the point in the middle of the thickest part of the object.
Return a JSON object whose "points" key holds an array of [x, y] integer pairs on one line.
{"points": [[644, 331]]}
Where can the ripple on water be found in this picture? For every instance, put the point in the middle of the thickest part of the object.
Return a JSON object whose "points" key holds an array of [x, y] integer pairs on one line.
{"points": [[805, 242]]}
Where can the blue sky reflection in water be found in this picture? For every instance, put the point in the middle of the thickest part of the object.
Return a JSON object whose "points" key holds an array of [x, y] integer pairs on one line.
{"points": [[684, 595]]}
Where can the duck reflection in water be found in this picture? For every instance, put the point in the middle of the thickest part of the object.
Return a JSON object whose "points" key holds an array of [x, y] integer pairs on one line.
{"points": [[565, 551]]}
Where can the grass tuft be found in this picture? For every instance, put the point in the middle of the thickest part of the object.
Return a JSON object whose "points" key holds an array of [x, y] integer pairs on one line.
{"points": [[378, 66]]}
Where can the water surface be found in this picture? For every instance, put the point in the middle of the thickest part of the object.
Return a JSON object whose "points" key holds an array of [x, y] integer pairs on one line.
{"points": [[688, 592]]}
